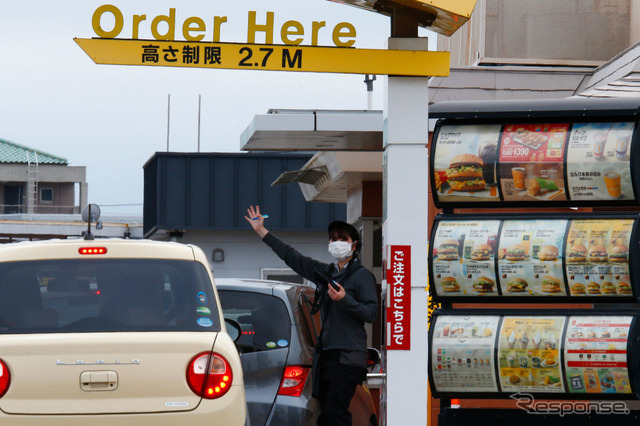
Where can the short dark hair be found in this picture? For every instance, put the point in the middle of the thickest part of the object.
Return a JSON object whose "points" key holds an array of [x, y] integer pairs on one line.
{"points": [[339, 228]]}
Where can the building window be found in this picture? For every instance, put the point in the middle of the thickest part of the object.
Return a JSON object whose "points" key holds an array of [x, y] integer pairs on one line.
{"points": [[46, 195]]}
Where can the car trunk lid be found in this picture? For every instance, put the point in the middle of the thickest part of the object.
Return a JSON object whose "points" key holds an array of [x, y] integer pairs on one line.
{"points": [[90, 373]]}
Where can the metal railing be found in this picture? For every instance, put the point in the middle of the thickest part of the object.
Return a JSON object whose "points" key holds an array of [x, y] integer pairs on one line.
{"points": [[38, 209]]}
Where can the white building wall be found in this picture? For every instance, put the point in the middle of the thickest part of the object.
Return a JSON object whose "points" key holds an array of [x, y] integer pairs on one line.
{"points": [[245, 253], [545, 32]]}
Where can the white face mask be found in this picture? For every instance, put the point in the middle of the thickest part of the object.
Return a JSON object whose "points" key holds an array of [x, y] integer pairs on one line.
{"points": [[340, 250]]}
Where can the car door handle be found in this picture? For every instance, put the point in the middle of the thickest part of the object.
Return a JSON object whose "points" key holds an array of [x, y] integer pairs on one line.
{"points": [[91, 381]]}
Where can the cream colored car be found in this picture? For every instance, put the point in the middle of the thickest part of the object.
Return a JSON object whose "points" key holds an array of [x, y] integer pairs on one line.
{"points": [[114, 332]]}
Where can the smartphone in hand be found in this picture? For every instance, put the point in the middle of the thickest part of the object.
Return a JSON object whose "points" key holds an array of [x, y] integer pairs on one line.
{"points": [[325, 279]]}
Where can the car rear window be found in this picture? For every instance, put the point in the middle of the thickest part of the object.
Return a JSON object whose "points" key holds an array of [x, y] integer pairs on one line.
{"points": [[106, 295], [264, 320]]}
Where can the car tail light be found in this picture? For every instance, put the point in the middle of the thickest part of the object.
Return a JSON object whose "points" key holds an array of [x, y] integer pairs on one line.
{"points": [[5, 378], [209, 375], [92, 250], [293, 380]]}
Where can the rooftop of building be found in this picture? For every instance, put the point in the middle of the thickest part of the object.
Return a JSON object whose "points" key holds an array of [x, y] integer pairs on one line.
{"points": [[14, 153]]}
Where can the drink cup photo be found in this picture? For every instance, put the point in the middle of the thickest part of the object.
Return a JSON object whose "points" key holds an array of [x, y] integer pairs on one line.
{"points": [[612, 181], [622, 143], [518, 177], [598, 145]]}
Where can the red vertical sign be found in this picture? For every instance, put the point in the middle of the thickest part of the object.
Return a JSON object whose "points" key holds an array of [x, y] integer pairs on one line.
{"points": [[399, 298]]}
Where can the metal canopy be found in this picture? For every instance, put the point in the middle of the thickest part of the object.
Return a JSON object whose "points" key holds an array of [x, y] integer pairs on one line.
{"points": [[566, 108], [314, 130]]}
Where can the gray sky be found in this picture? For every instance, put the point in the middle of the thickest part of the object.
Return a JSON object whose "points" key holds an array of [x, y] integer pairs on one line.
{"points": [[112, 118]]}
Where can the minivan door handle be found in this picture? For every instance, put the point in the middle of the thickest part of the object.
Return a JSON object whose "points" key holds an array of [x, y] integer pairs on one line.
{"points": [[91, 381]]}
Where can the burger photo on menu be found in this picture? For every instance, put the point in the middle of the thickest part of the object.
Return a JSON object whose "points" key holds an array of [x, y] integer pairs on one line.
{"points": [[450, 285], [593, 288], [548, 252], [618, 253], [448, 250], [465, 173], [578, 289], [550, 285], [517, 285], [624, 288], [483, 285], [481, 252], [598, 253], [515, 252], [608, 288], [577, 253]]}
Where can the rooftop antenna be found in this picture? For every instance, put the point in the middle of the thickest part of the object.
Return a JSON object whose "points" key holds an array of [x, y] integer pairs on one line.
{"points": [[199, 108], [91, 213], [368, 80], [168, 117]]}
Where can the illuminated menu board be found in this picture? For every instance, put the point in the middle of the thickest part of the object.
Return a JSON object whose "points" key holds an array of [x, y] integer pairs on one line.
{"points": [[464, 253], [533, 163], [530, 257], [462, 353], [511, 258], [598, 162], [465, 165], [584, 354], [597, 257], [529, 354], [596, 358]]}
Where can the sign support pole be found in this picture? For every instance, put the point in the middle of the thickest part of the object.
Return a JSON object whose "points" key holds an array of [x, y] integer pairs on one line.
{"points": [[405, 223]]}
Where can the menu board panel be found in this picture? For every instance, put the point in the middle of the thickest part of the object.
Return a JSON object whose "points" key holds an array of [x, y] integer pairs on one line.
{"points": [[464, 167], [534, 163], [531, 162], [597, 257], [530, 257], [529, 354], [596, 354], [598, 163], [462, 353], [463, 258]]}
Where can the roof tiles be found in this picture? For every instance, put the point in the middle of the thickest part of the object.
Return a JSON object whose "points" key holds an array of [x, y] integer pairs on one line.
{"points": [[11, 152]]}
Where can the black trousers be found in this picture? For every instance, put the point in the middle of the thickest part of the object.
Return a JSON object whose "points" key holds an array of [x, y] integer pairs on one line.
{"points": [[338, 383], [334, 402]]}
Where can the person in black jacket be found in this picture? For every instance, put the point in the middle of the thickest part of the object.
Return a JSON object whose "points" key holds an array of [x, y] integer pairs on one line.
{"points": [[346, 294]]}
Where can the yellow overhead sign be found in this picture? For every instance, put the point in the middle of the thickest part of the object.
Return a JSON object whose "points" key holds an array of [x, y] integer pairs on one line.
{"points": [[266, 57]]}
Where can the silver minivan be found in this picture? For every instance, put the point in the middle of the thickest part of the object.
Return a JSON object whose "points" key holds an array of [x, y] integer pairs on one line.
{"points": [[279, 333]]}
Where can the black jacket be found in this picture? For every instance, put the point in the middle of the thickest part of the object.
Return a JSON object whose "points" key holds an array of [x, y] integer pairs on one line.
{"points": [[343, 321]]}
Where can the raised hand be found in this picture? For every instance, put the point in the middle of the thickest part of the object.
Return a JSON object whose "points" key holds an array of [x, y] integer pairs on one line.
{"points": [[256, 220]]}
